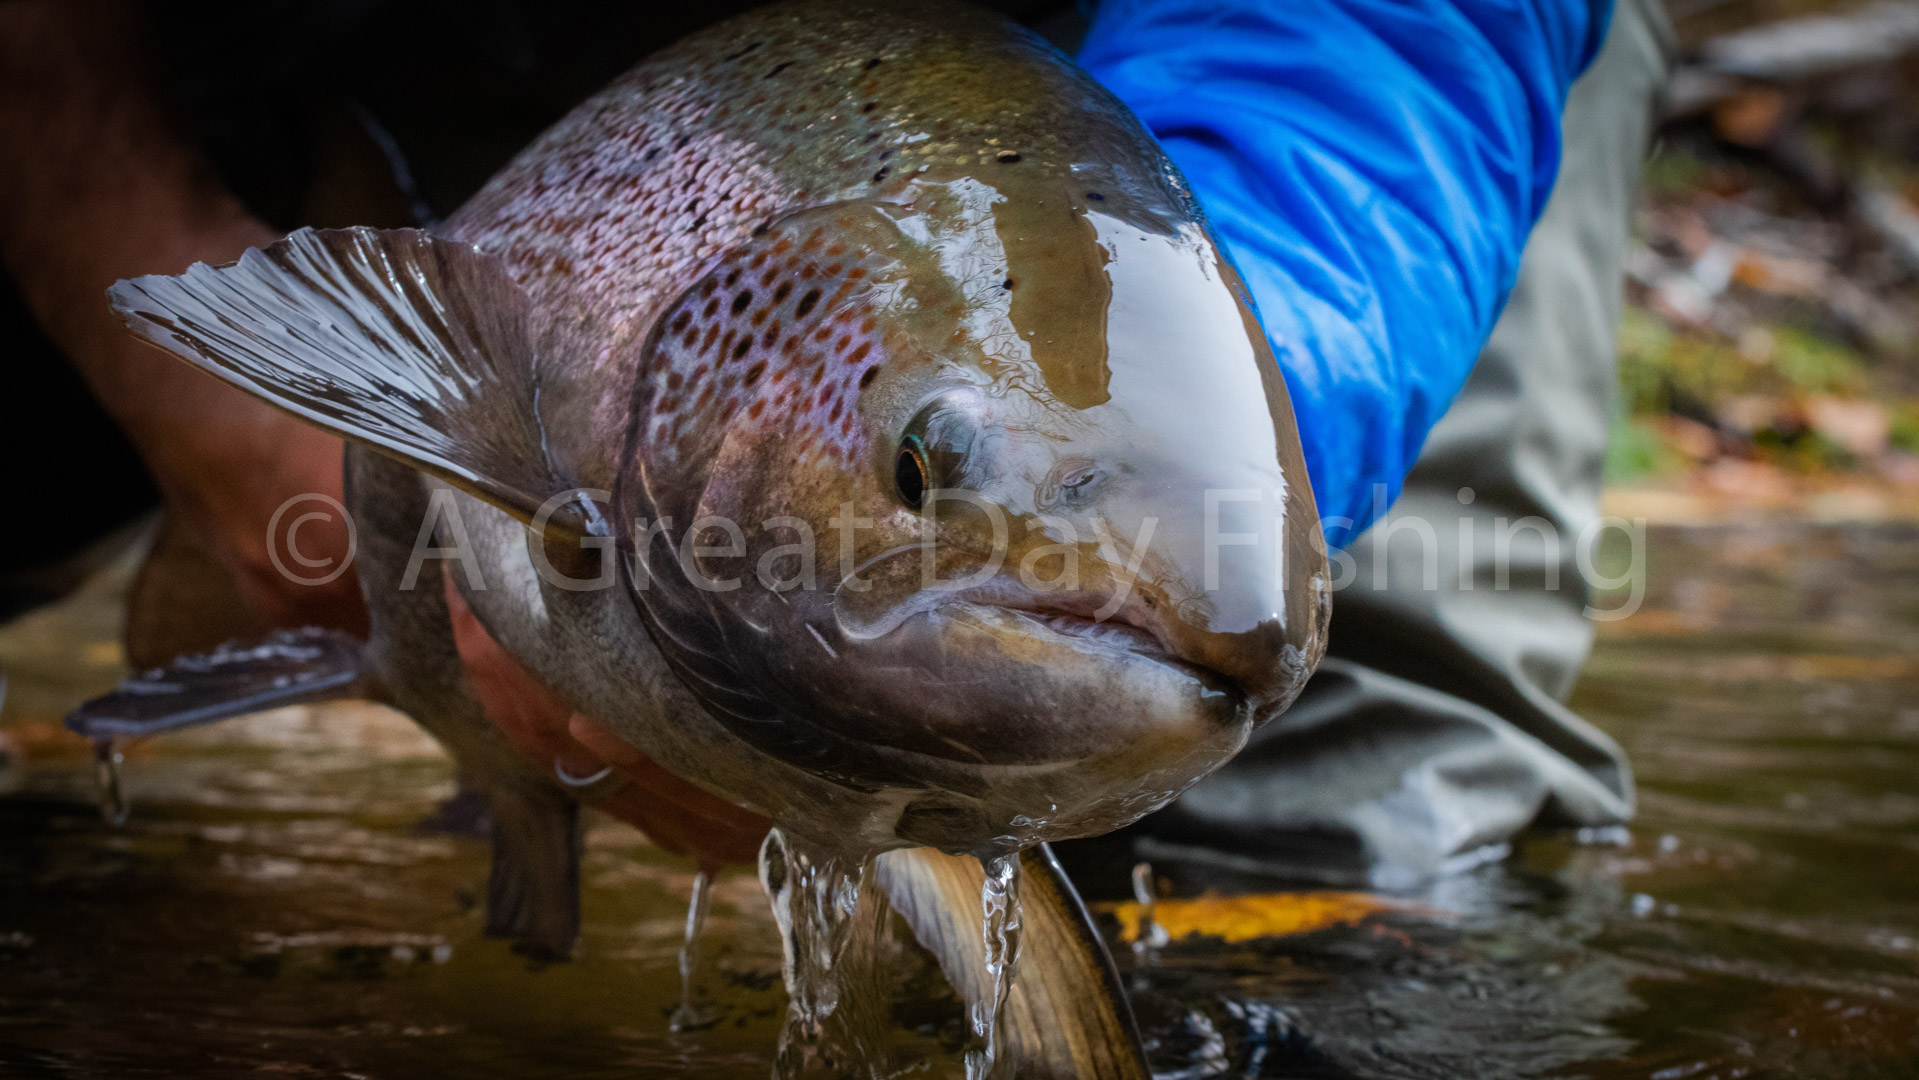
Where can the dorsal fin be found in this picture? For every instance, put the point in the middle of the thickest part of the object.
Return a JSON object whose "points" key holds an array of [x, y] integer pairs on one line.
{"points": [[419, 347]]}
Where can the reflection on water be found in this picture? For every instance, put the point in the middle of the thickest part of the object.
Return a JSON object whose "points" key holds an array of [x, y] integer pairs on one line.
{"points": [[272, 907]]}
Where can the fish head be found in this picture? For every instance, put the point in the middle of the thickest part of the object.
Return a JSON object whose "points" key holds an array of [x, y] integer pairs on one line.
{"points": [[988, 496]]}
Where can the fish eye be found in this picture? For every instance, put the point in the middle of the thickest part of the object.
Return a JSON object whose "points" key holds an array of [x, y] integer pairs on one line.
{"points": [[935, 449], [910, 475]]}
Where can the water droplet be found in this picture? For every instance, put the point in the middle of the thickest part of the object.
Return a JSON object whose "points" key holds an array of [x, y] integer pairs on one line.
{"points": [[688, 1016], [999, 905], [106, 773], [836, 1008], [1152, 936]]}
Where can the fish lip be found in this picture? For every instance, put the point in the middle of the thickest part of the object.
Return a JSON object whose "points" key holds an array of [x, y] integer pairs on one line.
{"points": [[1135, 636]]}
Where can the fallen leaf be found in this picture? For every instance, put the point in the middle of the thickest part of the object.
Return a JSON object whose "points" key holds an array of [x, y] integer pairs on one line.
{"points": [[1256, 915]]}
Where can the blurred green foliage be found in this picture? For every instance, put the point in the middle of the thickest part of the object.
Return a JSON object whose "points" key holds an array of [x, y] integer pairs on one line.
{"points": [[1635, 450], [1660, 367]]}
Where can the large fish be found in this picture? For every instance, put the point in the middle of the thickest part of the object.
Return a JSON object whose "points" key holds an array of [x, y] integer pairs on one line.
{"points": [[849, 409]]}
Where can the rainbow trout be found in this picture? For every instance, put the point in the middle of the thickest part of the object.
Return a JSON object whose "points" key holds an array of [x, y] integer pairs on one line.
{"points": [[848, 408]]}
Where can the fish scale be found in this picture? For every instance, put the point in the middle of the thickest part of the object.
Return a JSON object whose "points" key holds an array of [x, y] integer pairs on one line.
{"points": [[775, 331], [627, 201]]}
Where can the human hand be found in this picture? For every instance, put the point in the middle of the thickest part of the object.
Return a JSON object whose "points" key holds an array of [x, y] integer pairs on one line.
{"points": [[98, 183]]}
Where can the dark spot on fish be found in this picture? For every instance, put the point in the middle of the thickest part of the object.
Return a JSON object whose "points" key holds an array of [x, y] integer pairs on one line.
{"points": [[807, 302], [777, 68], [762, 229], [881, 175], [860, 353], [1095, 196], [712, 308], [869, 106], [732, 279], [772, 335], [756, 409], [869, 136], [743, 52], [780, 294], [884, 154], [674, 380], [871, 64], [753, 373], [740, 349], [1007, 284], [743, 299], [866, 377], [698, 224], [1007, 157], [679, 324]]}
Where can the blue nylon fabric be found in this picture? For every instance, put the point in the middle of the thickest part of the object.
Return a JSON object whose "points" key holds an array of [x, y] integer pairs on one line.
{"points": [[1373, 168]]}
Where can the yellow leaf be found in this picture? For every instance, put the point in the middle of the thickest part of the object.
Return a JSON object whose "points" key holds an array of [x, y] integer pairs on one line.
{"points": [[1257, 915]]}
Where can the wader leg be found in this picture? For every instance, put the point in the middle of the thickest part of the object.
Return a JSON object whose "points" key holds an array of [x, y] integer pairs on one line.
{"points": [[1437, 726]]}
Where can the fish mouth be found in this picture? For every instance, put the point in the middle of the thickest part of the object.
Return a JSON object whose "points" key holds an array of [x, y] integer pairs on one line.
{"points": [[1117, 634]]}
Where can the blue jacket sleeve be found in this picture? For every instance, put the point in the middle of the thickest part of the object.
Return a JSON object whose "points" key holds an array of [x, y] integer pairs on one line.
{"points": [[1373, 168]]}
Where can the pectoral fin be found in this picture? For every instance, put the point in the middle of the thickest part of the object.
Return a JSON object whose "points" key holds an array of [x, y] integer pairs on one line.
{"points": [[419, 347], [1068, 1016], [287, 667]]}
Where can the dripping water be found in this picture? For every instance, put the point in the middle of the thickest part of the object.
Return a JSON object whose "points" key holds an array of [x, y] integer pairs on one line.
{"points": [[829, 919], [106, 773], [1000, 927], [1152, 936], [688, 1016]]}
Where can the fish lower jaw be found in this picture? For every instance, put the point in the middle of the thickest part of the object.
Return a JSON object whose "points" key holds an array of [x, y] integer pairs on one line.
{"points": [[1119, 637]]}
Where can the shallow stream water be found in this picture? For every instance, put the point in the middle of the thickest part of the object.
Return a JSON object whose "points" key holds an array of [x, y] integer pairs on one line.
{"points": [[273, 906]]}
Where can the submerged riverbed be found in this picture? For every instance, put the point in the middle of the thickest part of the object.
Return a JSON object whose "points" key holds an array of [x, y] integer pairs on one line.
{"points": [[274, 907]]}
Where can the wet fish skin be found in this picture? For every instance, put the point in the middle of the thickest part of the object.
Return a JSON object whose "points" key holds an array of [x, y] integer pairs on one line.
{"points": [[625, 225], [741, 283]]}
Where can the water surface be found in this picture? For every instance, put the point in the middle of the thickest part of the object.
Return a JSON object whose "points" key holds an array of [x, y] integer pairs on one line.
{"points": [[273, 907]]}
